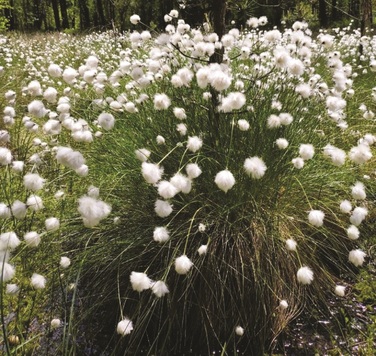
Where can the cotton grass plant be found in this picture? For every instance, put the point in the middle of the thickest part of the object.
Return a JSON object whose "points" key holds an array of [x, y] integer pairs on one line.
{"points": [[208, 189]]}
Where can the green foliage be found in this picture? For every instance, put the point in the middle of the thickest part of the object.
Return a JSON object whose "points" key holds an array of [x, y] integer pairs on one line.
{"points": [[4, 4]]}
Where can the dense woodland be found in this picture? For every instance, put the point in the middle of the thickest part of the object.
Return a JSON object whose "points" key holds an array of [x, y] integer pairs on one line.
{"points": [[88, 15]]}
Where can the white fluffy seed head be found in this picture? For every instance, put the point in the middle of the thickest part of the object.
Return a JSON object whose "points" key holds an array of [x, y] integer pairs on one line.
{"points": [[65, 262], [306, 151], [305, 275], [124, 327], [9, 241], [291, 245], [193, 170], [358, 191], [142, 154], [140, 281], [7, 272], [340, 290], [55, 323], [255, 167], [33, 181], [92, 210], [34, 202], [243, 125], [151, 172], [106, 120], [32, 239], [194, 143], [358, 215], [183, 264], [239, 331], [38, 281], [162, 208], [283, 305], [202, 250], [160, 289], [161, 234], [356, 257], [353, 232], [345, 206], [224, 180], [52, 224], [316, 218], [282, 143]]}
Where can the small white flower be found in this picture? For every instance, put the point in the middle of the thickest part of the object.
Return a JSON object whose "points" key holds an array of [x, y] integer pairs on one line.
{"points": [[356, 257], [183, 264], [255, 167], [224, 180], [305, 275], [140, 281], [239, 331], [340, 290], [283, 305], [38, 281], [160, 289], [161, 234], [65, 262], [124, 327], [316, 218]]}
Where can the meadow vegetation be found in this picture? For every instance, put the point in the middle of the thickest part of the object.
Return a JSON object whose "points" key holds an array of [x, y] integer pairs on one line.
{"points": [[162, 202]]}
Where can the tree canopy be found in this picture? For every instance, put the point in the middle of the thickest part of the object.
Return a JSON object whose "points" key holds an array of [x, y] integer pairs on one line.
{"points": [[86, 15]]}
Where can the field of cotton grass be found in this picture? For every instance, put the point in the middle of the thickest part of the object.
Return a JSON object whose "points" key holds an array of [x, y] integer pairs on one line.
{"points": [[176, 192]]}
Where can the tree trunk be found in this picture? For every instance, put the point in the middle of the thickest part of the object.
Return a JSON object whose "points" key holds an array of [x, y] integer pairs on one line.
{"points": [[366, 11], [64, 13], [323, 19], [55, 8], [99, 6], [334, 14], [219, 26], [84, 15]]}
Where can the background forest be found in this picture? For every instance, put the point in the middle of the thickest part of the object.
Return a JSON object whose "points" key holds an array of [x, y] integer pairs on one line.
{"points": [[88, 15]]}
